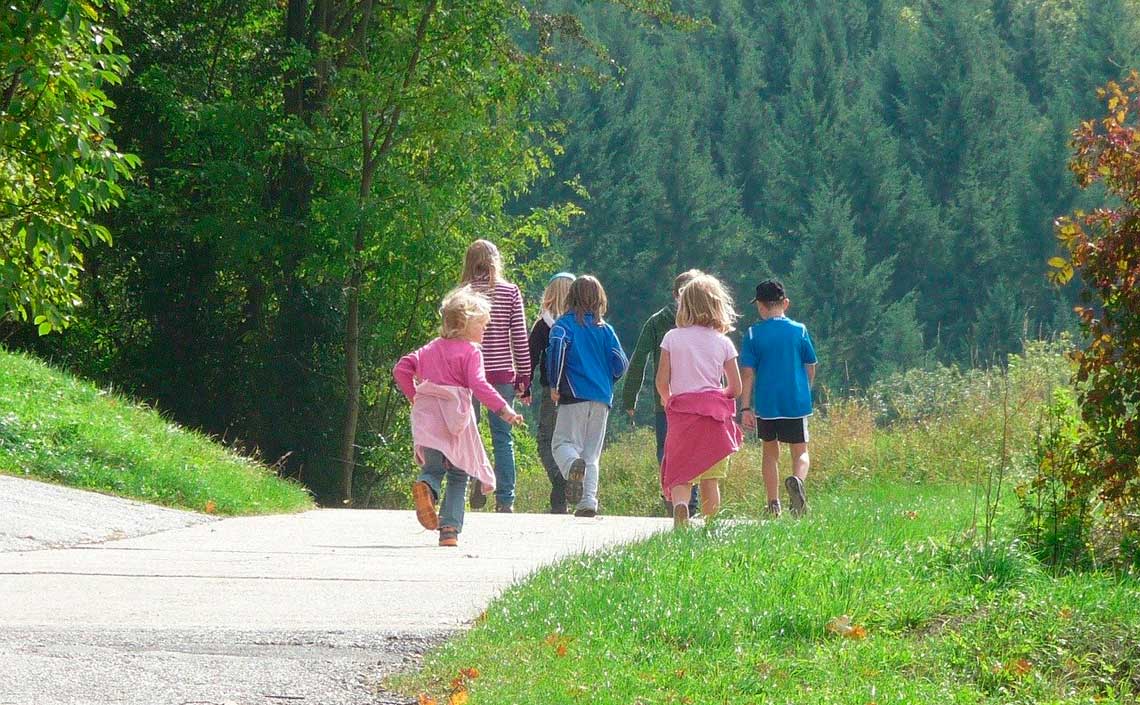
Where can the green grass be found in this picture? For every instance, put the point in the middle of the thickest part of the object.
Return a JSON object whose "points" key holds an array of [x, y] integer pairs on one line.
{"points": [[737, 613], [56, 428]]}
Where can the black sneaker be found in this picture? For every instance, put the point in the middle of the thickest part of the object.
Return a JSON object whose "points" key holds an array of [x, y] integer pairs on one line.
{"points": [[774, 508], [504, 508], [796, 495], [587, 513], [477, 500], [574, 488]]}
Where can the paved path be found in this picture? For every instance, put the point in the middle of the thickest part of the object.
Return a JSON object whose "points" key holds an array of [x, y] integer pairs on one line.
{"points": [[309, 608]]}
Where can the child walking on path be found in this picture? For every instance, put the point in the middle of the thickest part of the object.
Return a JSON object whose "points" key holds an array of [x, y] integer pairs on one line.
{"points": [[506, 357], [553, 306], [779, 368], [702, 432], [439, 379], [649, 347], [584, 359]]}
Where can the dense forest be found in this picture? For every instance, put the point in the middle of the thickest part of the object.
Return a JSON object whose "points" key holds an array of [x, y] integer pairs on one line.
{"points": [[312, 171]]}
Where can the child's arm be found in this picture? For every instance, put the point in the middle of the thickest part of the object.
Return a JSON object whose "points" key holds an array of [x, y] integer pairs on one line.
{"points": [[747, 416], [619, 363], [664, 372], [556, 358], [520, 346], [485, 393], [405, 374], [636, 369], [810, 370], [732, 374]]}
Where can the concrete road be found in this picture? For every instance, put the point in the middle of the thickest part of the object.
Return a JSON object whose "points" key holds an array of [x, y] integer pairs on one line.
{"points": [[309, 608]]}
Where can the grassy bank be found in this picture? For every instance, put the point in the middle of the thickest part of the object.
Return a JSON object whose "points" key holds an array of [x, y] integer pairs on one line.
{"points": [[54, 427], [739, 613]]}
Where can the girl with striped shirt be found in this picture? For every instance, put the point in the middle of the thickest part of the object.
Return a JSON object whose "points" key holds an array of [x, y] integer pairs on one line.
{"points": [[506, 360]]}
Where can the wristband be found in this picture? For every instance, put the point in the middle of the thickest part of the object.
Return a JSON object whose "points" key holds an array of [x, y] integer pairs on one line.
{"points": [[746, 408]]}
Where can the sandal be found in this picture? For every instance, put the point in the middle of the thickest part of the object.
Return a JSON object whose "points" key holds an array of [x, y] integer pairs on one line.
{"points": [[424, 500], [448, 536]]}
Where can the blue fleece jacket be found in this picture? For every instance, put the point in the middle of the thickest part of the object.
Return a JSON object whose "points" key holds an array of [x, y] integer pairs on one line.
{"points": [[584, 360]]}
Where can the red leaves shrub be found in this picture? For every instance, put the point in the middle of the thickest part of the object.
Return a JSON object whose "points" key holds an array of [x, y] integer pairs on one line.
{"points": [[1104, 249]]}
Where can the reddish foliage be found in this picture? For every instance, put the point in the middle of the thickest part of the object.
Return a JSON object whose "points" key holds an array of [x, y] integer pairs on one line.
{"points": [[1104, 248]]}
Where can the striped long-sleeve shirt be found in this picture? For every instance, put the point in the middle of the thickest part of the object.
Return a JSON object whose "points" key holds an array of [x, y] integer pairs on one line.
{"points": [[506, 355]]}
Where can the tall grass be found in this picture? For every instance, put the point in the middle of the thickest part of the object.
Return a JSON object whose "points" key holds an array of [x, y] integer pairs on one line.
{"points": [[939, 425], [57, 428]]}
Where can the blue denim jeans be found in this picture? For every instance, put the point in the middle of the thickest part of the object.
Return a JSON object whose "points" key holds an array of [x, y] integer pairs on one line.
{"points": [[436, 466], [661, 426], [503, 449]]}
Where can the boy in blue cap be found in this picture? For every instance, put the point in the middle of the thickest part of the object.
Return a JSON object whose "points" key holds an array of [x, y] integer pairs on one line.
{"points": [[778, 363]]}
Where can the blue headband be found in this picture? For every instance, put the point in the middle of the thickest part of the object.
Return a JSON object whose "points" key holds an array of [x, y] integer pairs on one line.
{"points": [[561, 275]]}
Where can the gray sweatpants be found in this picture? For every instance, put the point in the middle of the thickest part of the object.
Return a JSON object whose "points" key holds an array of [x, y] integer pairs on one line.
{"points": [[580, 432]]}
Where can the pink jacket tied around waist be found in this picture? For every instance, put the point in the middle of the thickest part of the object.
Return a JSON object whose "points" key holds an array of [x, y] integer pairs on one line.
{"points": [[702, 432], [443, 419]]}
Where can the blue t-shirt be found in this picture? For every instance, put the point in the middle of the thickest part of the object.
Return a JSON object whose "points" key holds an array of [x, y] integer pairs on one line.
{"points": [[777, 349]]}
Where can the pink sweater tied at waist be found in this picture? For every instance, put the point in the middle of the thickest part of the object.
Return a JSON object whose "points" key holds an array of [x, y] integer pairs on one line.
{"points": [[702, 432], [443, 419]]}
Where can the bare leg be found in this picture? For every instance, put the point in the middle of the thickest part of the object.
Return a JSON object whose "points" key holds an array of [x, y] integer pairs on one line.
{"points": [[710, 497], [771, 467], [800, 460]]}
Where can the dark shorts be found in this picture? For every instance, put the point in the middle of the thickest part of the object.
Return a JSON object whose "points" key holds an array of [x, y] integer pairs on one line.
{"points": [[783, 430]]}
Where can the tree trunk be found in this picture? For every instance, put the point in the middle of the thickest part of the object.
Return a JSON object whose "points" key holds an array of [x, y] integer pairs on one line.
{"points": [[374, 150], [352, 382]]}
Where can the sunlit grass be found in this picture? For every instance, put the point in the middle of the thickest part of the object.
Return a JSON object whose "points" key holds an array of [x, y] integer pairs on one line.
{"points": [[737, 612], [54, 427]]}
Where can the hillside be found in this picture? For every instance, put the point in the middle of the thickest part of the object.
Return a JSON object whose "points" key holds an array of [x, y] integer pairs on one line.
{"points": [[61, 429]]}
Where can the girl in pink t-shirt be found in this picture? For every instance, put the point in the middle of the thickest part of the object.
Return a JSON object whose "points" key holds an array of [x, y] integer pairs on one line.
{"points": [[440, 380], [696, 360]]}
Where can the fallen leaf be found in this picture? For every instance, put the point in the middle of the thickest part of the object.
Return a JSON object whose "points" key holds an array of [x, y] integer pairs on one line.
{"points": [[426, 699], [858, 631], [680, 673], [560, 650], [911, 514], [1065, 613], [211, 507], [457, 682], [1019, 667], [471, 673], [839, 625], [459, 697]]}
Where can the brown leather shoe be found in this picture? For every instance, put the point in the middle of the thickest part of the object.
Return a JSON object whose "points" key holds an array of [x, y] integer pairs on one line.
{"points": [[505, 508], [448, 536], [424, 500]]}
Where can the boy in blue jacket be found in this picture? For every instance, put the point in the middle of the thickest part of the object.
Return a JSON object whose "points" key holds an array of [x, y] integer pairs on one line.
{"points": [[584, 358]]}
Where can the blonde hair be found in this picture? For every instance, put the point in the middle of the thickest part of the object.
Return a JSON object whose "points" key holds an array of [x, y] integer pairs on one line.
{"points": [[705, 302], [554, 298], [586, 295], [459, 309], [684, 278], [482, 260]]}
